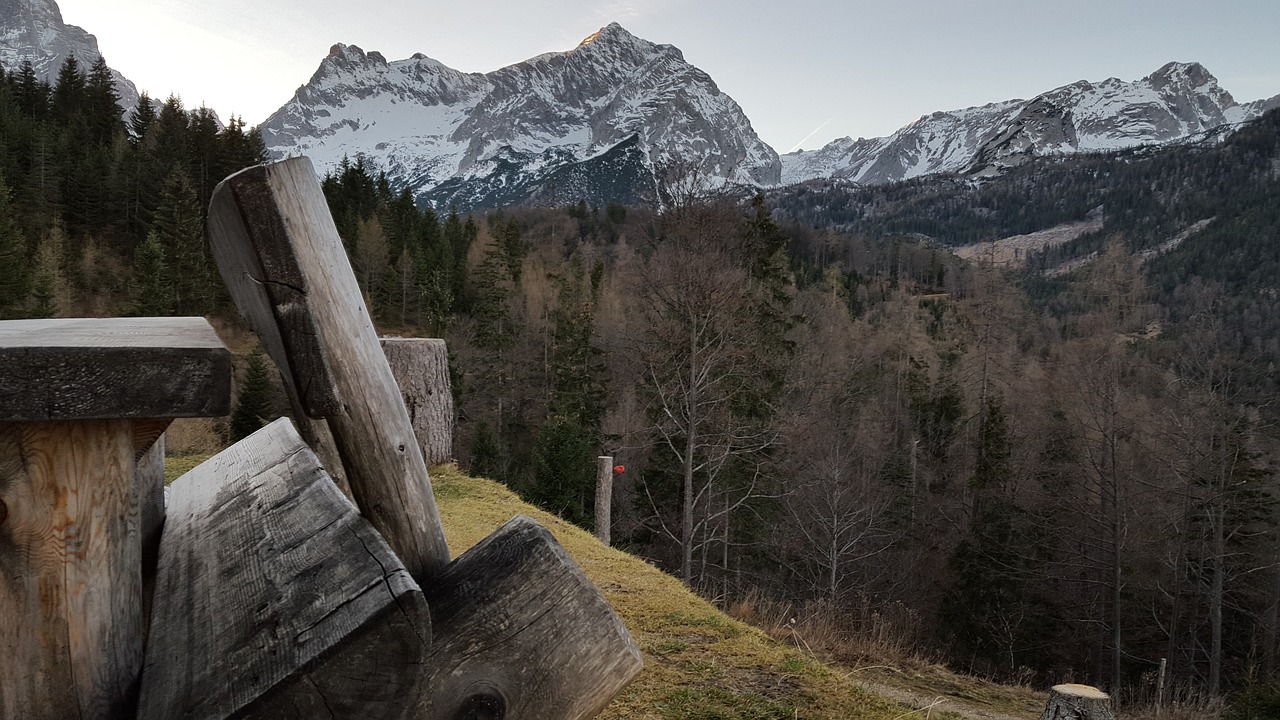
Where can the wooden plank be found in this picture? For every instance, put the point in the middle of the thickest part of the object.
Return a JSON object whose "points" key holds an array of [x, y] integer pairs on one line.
{"points": [[102, 368], [70, 575], [522, 633], [421, 369], [280, 255], [280, 600]]}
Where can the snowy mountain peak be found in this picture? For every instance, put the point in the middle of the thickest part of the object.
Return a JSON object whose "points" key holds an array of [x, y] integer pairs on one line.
{"points": [[1191, 74], [1180, 102], [600, 121]]}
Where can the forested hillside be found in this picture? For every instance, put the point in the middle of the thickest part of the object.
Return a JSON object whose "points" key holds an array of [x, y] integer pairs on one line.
{"points": [[1038, 478], [100, 217]]}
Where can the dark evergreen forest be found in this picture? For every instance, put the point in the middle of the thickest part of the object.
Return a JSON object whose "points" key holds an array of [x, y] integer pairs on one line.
{"points": [[1034, 476]]}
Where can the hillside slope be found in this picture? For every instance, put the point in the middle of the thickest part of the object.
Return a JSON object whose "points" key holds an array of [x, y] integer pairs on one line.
{"points": [[699, 663]]}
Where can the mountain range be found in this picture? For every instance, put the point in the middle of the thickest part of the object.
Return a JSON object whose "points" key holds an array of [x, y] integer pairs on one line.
{"points": [[618, 116], [621, 118]]}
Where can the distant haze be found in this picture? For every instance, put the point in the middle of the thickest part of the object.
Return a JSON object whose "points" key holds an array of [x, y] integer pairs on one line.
{"points": [[805, 72]]}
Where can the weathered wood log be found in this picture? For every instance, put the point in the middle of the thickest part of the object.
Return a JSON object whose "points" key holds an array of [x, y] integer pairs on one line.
{"points": [[106, 368], [282, 260], [71, 565], [281, 601], [421, 369], [604, 498], [522, 633], [1077, 702]]}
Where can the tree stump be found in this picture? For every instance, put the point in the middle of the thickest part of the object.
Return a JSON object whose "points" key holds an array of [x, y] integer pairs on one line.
{"points": [[1077, 702], [80, 401], [421, 370]]}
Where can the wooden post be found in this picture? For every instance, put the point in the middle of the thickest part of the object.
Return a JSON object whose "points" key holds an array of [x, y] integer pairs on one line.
{"points": [[522, 633], [79, 400], [1077, 702], [279, 253], [280, 600], [1164, 663], [604, 498], [421, 369]]}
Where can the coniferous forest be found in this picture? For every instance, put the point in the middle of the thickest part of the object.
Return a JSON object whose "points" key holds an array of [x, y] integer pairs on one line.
{"points": [[1033, 476]]}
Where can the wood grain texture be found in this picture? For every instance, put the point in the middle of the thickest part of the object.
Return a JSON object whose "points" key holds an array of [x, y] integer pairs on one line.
{"points": [[70, 571], [421, 369], [604, 499], [280, 255], [102, 368], [522, 633], [1077, 702], [280, 600]]}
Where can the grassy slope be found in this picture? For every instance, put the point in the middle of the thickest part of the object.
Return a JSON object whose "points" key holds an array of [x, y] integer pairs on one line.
{"points": [[699, 663]]}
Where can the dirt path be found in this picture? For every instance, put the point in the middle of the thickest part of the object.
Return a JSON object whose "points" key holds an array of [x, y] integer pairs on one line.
{"points": [[926, 705]]}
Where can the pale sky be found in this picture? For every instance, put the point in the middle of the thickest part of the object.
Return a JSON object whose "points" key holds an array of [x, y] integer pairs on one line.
{"points": [[804, 71]]}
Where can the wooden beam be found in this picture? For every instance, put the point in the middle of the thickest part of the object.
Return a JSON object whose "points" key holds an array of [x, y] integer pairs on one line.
{"points": [[280, 600], [282, 260], [421, 369], [105, 368], [522, 633], [70, 571]]}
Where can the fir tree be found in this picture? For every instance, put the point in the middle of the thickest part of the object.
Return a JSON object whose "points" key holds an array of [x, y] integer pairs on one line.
{"points": [[255, 402], [179, 226], [14, 271], [152, 281]]}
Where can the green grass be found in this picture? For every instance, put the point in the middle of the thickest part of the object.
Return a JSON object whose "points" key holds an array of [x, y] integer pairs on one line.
{"points": [[699, 663]]}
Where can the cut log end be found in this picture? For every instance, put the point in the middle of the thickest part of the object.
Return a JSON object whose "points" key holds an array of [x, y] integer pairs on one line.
{"points": [[1077, 702]]}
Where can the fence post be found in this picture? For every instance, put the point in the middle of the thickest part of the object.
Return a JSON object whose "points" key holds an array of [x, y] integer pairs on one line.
{"points": [[604, 498]]}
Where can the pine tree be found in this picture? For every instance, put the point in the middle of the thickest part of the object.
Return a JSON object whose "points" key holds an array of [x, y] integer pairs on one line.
{"points": [[102, 103], [567, 445], [144, 116], [69, 91], [255, 402], [179, 226], [152, 282], [14, 269]]}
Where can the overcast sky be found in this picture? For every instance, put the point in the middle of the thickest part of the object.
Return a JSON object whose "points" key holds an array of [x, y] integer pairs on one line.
{"points": [[805, 71]]}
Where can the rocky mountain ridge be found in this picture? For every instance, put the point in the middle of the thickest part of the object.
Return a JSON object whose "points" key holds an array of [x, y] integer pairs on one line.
{"points": [[1180, 102], [612, 114]]}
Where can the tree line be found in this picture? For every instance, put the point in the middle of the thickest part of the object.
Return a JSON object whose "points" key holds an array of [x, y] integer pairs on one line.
{"points": [[103, 214]]}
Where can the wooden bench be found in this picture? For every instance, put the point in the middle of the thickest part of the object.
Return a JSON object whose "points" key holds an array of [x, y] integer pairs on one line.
{"points": [[81, 400]]}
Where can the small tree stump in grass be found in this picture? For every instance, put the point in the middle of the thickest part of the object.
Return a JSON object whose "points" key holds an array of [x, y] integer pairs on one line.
{"points": [[1077, 702]]}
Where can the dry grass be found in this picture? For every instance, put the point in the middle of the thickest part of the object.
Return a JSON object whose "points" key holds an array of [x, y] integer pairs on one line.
{"points": [[699, 663]]}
